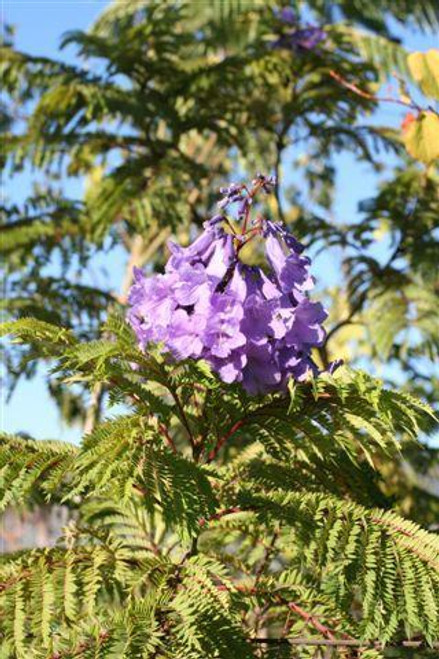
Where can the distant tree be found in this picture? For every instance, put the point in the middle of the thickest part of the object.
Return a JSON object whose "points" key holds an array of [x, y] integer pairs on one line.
{"points": [[205, 517]]}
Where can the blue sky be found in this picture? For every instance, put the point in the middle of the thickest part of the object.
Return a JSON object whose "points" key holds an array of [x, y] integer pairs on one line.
{"points": [[39, 25]]}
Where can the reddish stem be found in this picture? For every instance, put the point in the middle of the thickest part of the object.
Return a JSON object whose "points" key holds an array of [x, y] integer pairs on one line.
{"points": [[227, 511], [246, 217], [214, 452], [167, 437], [371, 97], [309, 618]]}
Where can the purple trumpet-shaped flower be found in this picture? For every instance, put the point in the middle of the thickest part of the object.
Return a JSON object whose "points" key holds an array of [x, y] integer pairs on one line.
{"points": [[255, 326], [307, 38], [300, 40], [293, 36], [286, 15]]}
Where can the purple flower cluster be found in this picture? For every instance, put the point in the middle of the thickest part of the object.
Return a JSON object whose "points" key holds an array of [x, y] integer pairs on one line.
{"points": [[294, 37], [253, 326]]}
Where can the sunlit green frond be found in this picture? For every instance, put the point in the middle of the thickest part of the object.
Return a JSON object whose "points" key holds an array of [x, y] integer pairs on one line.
{"points": [[32, 468]]}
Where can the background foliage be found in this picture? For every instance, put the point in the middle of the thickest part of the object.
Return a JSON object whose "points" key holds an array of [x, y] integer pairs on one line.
{"points": [[201, 517]]}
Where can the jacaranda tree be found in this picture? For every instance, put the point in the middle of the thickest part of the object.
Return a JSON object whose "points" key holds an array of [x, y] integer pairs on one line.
{"points": [[242, 489]]}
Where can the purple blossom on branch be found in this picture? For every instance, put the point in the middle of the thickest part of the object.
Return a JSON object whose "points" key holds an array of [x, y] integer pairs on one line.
{"points": [[293, 36], [255, 326], [286, 15]]}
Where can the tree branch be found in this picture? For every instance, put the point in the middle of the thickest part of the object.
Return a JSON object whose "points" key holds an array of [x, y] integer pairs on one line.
{"points": [[185, 422], [344, 643], [216, 449], [371, 97]]}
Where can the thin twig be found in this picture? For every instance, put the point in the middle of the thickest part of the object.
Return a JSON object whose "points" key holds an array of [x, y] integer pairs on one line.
{"points": [[371, 97], [184, 420], [311, 620], [222, 513], [216, 449], [266, 558], [163, 429], [344, 643]]}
